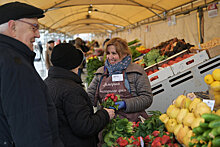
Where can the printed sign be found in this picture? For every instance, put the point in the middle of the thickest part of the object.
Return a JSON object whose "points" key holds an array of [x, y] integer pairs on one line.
{"points": [[213, 10]]}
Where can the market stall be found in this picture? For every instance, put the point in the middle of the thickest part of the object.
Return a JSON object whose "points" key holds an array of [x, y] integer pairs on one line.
{"points": [[174, 43]]}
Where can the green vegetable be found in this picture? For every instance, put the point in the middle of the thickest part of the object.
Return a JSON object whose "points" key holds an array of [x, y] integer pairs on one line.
{"points": [[118, 128], [151, 57], [216, 142], [206, 133], [202, 138], [210, 117], [214, 132], [198, 130], [214, 124], [161, 58], [204, 125], [151, 63], [134, 52], [133, 42], [92, 66], [109, 138], [150, 125]]}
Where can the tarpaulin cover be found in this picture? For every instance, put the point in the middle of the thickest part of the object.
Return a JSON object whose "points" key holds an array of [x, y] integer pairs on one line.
{"points": [[74, 17]]}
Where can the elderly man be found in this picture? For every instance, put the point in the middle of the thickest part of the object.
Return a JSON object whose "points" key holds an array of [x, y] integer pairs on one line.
{"points": [[27, 114]]}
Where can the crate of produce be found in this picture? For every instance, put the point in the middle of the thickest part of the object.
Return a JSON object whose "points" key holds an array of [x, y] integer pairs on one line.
{"points": [[212, 47], [189, 62], [213, 52]]}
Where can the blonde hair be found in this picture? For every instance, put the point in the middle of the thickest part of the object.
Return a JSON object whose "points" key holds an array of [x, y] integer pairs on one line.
{"points": [[120, 45]]}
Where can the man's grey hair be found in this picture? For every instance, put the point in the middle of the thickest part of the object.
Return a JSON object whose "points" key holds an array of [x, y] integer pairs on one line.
{"points": [[3, 27]]}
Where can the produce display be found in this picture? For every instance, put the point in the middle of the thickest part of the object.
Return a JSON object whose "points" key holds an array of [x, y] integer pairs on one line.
{"points": [[133, 42], [133, 45], [153, 56], [168, 62], [142, 49], [115, 129], [163, 51], [208, 132], [172, 46], [189, 119], [150, 132], [209, 44], [213, 80], [93, 63]]}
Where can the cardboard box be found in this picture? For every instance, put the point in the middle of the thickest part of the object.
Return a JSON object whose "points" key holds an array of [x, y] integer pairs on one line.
{"points": [[189, 62], [213, 52]]}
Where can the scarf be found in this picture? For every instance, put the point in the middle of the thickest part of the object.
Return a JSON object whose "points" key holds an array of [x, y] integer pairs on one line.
{"points": [[118, 67]]}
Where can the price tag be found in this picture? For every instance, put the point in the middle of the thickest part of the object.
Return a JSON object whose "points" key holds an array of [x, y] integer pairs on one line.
{"points": [[210, 103], [117, 77]]}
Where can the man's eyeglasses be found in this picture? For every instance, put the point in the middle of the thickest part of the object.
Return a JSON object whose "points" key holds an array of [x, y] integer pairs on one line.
{"points": [[35, 27]]}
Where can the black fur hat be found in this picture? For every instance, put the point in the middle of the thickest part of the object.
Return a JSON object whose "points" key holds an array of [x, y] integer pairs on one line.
{"points": [[66, 55]]}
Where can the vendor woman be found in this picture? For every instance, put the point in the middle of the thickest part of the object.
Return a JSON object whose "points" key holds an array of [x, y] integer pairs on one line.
{"points": [[120, 76]]}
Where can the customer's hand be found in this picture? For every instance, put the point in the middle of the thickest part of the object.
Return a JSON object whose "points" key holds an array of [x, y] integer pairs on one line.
{"points": [[121, 104], [111, 113]]}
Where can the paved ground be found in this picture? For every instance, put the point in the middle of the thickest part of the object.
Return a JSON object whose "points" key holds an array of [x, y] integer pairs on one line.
{"points": [[41, 68]]}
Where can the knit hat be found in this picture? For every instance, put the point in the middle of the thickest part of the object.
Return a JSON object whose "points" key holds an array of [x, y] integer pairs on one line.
{"points": [[66, 55], [17, 10], [51, 41]]}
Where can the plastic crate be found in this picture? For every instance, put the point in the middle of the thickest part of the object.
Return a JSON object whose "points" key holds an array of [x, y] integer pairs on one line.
{"points": [[189, 62], [160, 75]]}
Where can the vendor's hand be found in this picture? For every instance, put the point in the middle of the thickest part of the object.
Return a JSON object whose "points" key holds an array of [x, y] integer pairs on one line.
{"points": [[111, 113], [121, 104]]}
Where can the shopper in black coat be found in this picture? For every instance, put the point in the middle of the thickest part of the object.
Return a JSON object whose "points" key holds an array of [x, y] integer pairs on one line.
{"points": [[28, 115], [78, 124]]}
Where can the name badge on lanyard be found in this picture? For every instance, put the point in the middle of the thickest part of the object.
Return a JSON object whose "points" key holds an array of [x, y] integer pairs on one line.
{"points": [[117, 77]]}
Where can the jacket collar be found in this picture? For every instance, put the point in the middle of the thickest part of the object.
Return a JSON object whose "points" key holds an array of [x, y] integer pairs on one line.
{"points": [[17, 46], [58, 72], [130, 69]]}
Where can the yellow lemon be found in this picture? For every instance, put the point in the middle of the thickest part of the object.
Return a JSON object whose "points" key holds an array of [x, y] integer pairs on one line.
{"points": [[216, 74], [215, 85], [208, 79]]}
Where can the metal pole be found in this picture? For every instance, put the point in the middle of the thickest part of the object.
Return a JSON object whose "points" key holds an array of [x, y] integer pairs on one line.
{"points": [[201, 26]]}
